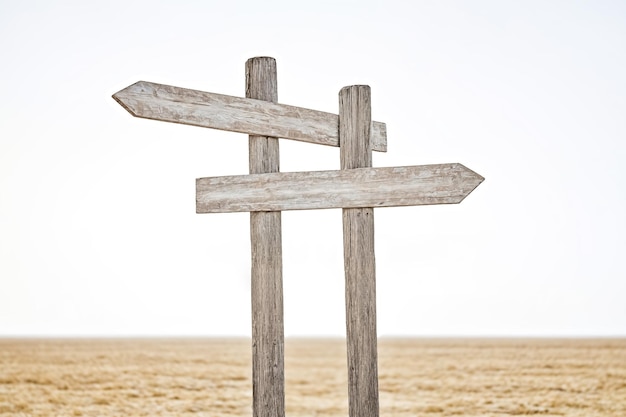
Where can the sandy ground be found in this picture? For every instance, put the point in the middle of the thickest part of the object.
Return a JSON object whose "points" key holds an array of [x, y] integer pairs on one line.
{"points": [[212, 377]]}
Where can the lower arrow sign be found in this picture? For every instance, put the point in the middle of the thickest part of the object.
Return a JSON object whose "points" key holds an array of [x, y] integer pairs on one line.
{"points": [[350, 188]]}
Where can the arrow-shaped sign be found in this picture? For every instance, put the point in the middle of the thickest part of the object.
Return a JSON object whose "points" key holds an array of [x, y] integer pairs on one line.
{"points": [[235, 114], [350, 188]]}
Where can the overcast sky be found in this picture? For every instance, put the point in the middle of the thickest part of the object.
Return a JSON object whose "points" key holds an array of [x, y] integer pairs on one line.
{"points": [[98, 231]]}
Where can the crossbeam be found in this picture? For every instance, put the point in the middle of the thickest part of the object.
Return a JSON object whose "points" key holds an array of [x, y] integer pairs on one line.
{"points": [[236, 114], [349, 188]]}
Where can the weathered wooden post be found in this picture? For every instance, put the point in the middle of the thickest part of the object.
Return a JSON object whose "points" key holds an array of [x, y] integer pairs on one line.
{"points": [[268, 381], [358, 250]]}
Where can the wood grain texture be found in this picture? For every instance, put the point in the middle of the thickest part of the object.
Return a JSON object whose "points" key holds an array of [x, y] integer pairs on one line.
{"points": [[268, 352], [361, 187], [244, 115], [359, 260]]}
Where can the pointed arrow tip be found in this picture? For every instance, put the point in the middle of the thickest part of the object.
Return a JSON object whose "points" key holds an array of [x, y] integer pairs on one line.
{"points": [[474, 180], [473, 173], [118, 97], [124, 97]]}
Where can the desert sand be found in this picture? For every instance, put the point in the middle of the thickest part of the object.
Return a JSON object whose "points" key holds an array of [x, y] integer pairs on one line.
{"points": [[212, 377]]}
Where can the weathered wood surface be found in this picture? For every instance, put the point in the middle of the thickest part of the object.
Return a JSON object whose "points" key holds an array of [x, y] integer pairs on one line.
{"points": [[268, 378], [244, 115], [359, 260], [362, 187]]}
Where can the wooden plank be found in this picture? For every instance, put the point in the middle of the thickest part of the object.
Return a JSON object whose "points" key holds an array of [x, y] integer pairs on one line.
{"points": [[359, 261], [244, 115], [362, 187], [268, 369]]}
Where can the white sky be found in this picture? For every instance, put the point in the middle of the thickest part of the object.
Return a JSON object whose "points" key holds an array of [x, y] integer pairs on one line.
{"points": [[98, 231]]}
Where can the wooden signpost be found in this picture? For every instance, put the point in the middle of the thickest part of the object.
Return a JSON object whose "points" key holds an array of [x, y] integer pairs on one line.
{"points": [[357, 188]]}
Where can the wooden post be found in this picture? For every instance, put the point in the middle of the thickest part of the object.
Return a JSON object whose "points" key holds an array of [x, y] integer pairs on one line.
{"points": [[268, 381], [359, 264]]}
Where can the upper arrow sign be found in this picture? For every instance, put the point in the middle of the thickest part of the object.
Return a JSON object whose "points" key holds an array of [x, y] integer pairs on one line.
{"points": [[236, 114], [349, 188]]}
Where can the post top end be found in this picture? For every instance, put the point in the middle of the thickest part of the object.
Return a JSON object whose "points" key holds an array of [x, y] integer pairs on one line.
{"points": [[355, 87], [262, 58]]}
